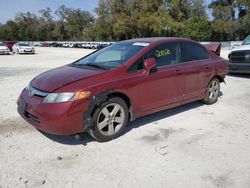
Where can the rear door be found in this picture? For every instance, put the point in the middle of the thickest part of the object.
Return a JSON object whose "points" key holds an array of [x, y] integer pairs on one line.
{"points": [[196, 67]]}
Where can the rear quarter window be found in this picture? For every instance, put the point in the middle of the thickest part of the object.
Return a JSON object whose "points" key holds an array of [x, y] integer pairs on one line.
{"points": [[192, 52]]}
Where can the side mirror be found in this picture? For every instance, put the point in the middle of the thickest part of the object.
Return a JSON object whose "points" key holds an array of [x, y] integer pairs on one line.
{"points": [[149, 64]]}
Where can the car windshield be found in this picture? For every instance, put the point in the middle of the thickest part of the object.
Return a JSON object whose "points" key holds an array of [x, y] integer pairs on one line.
{"points": [[112, 56], [23, 44], [246, 41], [11, 42], [1, 44]]}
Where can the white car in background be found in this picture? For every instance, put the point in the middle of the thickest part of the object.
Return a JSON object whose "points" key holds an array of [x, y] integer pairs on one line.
{"points": [[4, 49], [68, 45], [23, 48]]}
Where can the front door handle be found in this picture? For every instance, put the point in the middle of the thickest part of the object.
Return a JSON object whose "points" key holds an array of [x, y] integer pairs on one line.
{"points": [[206, 67], [178, 71]]}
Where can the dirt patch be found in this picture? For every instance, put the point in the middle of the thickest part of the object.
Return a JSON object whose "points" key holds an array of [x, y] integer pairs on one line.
{"points": [[167, 132], [152, 138], [222, 181], [14, 124], [162, 135]]}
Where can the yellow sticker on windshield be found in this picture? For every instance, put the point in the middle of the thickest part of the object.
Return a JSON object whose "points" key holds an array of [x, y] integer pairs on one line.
{"points": [[162, 53]]}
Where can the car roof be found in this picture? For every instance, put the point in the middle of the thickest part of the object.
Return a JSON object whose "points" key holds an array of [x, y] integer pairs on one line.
{"points": [[158, 39]]}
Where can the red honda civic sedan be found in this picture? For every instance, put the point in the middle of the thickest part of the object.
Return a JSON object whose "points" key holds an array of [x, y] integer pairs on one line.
{"points": [[101, 92]]}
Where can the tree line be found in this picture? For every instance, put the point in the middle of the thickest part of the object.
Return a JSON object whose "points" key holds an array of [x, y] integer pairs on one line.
{"points": [[116, 20]]}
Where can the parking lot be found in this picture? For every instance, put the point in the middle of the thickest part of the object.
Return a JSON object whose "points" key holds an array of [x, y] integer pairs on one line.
{"points": [[194, 145]]}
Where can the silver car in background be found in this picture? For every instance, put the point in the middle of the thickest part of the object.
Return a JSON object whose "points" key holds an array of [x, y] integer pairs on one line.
{"points": [[239, 58], [4, 49], [23, 48]]}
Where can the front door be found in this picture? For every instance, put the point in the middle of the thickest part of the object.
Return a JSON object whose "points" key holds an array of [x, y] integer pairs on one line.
{"points": [[164, 85]]}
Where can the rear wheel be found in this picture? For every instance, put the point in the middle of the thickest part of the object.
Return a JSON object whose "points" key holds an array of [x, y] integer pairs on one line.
{"points": [[212, 92], [110, 120]]}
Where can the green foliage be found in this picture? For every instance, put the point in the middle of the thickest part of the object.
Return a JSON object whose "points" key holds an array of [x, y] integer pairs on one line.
{"points": [[197, 28], [71, 24], [125, 19]]}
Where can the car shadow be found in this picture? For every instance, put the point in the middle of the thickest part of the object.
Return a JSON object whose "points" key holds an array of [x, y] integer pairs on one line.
{"points": [[239, 75], [27, 54], [161, 115], [84, 138], [220, 94], [78, 139]]}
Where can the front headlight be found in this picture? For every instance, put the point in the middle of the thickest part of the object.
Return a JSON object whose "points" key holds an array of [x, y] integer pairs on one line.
{"points": [[65, 97]]}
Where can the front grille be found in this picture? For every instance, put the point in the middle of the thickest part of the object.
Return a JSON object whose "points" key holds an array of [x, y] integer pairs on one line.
{"points": [[240, 57], [36, 92], [32, 117]]}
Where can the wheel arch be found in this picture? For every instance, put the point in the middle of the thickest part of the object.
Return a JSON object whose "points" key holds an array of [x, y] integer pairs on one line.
{"points": [[220, 78], [101, 97], [121, 95], [126, 100]]}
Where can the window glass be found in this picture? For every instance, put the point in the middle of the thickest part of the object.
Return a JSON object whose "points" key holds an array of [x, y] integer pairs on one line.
{"points": [[246, 41], [109, 56], [23, 44], [112, 56], [192, 52], [138, 65], [165, 54]]}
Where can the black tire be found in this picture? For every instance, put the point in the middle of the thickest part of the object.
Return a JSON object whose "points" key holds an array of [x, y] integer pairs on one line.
{"points": [[100, 135], [213, 86]]}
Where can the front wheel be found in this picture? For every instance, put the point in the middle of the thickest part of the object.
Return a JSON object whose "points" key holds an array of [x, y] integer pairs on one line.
{"points": [[110, 120], [212, 92]]}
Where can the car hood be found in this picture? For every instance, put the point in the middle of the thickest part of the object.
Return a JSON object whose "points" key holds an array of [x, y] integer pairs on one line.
{"points": [[3, 47], [59, 77], [242, 47], [25, 47]]}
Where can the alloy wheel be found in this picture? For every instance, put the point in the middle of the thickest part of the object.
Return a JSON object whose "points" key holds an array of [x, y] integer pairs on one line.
{"points": [[110, 119], [213, 90]]}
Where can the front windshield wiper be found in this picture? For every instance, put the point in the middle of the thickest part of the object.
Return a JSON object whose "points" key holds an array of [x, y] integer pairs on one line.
{"points": [[96, 66], [90, 65]]}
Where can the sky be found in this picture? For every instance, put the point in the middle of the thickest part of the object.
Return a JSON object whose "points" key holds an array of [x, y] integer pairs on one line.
{"points": [[9, 8]]}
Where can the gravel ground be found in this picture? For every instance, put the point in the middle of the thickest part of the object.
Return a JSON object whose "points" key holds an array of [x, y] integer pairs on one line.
{"points": [[189, 146]]}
